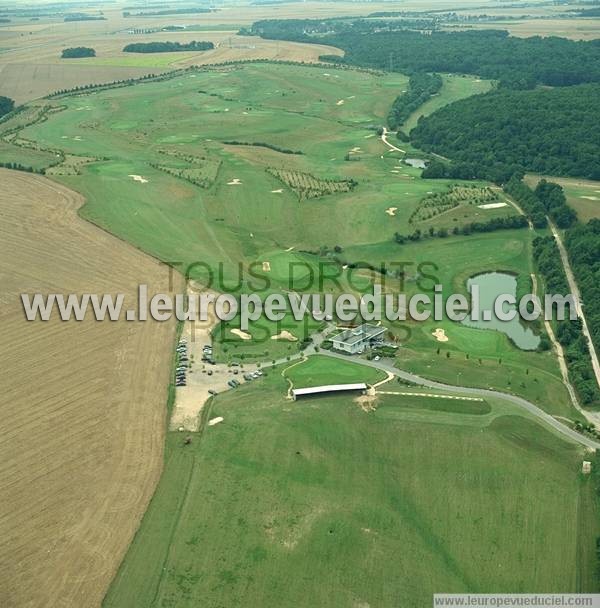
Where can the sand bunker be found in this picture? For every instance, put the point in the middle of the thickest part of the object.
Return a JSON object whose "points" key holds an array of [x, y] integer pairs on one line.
{"points": [[241, 334], [369, 136], [289, 249], [391, 211], [440, 335], [492, 205], [234, 182], [277, 191], [216, 420], [266, 266], [138, 178], [285, 335], [590, 198], [357, 149], [340, 102]]}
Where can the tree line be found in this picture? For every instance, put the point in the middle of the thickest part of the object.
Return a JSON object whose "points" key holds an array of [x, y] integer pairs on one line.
{"points": [[421, 87], [167, 47], [6, 105], [568, 333]]}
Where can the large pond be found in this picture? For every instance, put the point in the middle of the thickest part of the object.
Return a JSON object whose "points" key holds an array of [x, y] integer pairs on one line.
{"points": [[491, 285]]}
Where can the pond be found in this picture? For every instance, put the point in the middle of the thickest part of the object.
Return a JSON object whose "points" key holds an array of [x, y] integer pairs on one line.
{"points": [[417, 163], [491, 285]]}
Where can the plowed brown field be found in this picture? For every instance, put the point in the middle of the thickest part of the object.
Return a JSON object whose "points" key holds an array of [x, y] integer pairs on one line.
{"points": [[82, 404]]}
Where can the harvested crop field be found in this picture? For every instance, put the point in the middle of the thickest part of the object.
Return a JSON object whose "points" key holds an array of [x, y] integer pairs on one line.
{"points": [[83, 408], [26, 81]]}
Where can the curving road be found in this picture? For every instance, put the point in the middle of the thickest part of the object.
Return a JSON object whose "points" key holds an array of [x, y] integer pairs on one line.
{"points": [[479, 392], [384, 139]]}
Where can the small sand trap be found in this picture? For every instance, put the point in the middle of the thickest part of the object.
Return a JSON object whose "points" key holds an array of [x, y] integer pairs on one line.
{"points": [[285, 335], [77, 138], [440, 335], [214, 421], [138, 178], [391, 211], [340, 102], [394, 171], [235, 182], [590, 198], [357, 149], [492, 205], [369, 136], [280, 191], [266, 266], [289, 249], [326, 74], [241, 334]]}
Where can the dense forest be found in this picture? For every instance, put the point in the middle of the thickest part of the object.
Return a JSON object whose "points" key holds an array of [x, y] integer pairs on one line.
{"points": [[167, 47], [553, 198], [77, 52], [554, 131], [6, 105], [516, 62], [421, 87]]}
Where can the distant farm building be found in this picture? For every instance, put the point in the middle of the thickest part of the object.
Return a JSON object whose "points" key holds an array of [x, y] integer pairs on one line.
{"points": [[354, 341], [586, 467], [329, 388]]}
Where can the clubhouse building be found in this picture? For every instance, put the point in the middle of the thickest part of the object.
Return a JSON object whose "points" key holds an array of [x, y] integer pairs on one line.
{"points": [[354, 341]]}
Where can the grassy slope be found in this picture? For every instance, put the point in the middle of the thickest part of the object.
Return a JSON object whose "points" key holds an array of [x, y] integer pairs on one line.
{"points": [[454, 88], [322, 504]]}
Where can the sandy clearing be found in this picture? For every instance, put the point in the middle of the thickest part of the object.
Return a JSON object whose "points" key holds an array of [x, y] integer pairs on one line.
{"points": [[82, 446], [285, 335], [492, 205], [440, 335], [266, 266], [241, 334], [190, 399], [391, 211], [138, 178]]}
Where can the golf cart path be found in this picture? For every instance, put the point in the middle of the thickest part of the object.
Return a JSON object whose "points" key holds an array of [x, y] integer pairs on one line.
{"points": [[384, 139]]}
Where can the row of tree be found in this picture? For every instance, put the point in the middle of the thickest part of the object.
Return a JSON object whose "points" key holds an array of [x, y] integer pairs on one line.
{"points": [[421, 87], [551, 131], [511, 222]]}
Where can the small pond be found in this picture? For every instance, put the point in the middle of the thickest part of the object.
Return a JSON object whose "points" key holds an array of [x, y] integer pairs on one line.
{"points": [[491, 285], [417, 163]]}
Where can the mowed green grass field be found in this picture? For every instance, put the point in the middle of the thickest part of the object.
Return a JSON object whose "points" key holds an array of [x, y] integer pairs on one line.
{"points": [[318, 503], [320, 370], [455, 87]]}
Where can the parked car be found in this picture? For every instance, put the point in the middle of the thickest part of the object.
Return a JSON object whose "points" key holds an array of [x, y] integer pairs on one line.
{"points": [[212, 392]]}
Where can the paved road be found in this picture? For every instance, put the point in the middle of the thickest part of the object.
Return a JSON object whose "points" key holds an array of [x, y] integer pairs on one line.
{"points": [[479, 392]]}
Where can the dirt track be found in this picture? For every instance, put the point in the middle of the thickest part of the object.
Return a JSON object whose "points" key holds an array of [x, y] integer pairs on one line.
{"points": [[83, 403]]}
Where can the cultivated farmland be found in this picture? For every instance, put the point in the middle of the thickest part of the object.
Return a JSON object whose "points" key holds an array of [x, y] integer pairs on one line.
{"points": [[83, 404]]}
